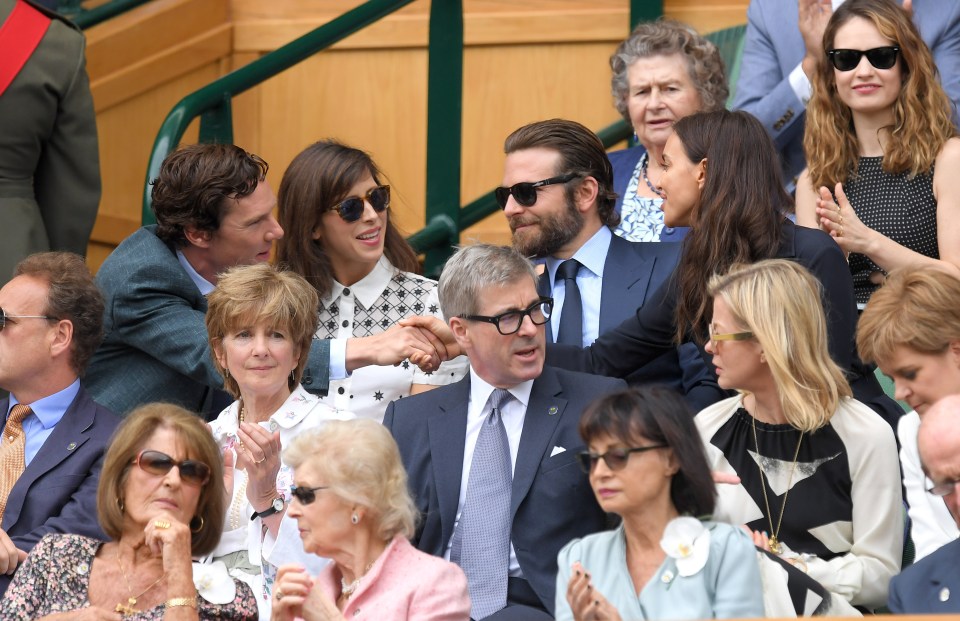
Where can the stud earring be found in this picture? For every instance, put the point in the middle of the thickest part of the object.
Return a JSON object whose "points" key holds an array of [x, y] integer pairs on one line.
{"points": [[355, 519]]}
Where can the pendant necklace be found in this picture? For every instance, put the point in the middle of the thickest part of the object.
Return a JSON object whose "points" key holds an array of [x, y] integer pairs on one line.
{"points": [[774, 540], [130, 607]]}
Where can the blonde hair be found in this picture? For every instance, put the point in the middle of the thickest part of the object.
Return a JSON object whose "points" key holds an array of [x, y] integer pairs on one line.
{"points": [[359, 461], [779, 301], [922, 112], [249, 294], [917, 307]]}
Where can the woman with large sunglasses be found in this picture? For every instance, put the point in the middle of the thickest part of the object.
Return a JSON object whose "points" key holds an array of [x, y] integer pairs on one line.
{"points": [[819, 476], [260, 323], [353, 506], [879, 135], [161, 501], [339, 235], [666, 559]]}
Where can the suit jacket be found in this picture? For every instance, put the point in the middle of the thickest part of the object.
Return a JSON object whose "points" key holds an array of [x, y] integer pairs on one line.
{"points": [[404, 583], [551, 500], [49, 164], [633, 272], [57, 493], [929, 586], [155, 346], [774, 47], [624, 162]]}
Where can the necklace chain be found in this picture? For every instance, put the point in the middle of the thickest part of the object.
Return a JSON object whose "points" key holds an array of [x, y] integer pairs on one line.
{"points": [[643, 173], [775, 546], [347, 590], [130, 607]]}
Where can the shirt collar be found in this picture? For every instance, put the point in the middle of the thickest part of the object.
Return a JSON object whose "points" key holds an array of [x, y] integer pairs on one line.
{"points": [[51, 408], [592, 254], [368, 288], [288, 415], [480, 390], [204, 285]]}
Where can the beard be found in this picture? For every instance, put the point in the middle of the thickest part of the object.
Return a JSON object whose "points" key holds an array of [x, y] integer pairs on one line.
{"points": [[550, 232]]}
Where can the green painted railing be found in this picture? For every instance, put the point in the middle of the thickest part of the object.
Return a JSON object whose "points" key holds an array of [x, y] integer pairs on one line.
{"points": [[85, 18]]}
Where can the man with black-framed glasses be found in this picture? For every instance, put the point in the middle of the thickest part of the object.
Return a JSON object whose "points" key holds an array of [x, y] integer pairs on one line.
{"points": [[491, 460], [53, 433], [558, 198]]}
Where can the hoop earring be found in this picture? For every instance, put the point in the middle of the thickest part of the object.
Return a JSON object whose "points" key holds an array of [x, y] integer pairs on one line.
{"points": [[198, 528], [355, 519]]}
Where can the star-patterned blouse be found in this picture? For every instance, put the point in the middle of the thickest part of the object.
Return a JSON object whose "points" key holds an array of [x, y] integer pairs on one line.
{"points": [[375, 303]]}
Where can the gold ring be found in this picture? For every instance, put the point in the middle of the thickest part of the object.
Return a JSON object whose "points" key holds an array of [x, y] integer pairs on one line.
{"points": [[279, 594], [162, 524], [841, 231], [257, 463]]}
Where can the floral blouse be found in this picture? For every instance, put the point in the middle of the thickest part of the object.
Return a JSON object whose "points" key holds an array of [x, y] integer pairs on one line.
{"points": [[56, 578]]}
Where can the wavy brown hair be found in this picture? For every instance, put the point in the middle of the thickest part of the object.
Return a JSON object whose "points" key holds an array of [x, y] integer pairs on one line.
{"points": [[317, 179], [740, 211], [922, 112]]}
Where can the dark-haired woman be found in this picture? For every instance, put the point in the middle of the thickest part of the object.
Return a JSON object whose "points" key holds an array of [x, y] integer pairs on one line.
{"points": [[334, 210], [721, 178], [647, 465]]}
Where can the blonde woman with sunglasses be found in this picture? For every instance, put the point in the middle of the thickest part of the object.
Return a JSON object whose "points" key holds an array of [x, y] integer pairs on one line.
{"points": [[881, 147], [340, 236]]}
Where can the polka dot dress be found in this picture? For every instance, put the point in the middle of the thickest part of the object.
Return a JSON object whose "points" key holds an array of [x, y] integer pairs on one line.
{"points": [[896, 206]]}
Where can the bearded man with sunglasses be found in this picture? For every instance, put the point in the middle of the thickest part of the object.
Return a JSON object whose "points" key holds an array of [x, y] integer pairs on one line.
{"points": [[215, 210], [558, 199], [784, 43], [54, 434], [491, 460]]}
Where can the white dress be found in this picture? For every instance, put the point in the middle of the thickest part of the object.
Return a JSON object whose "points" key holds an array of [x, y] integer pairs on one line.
{"points": [[300, 412], [371, 306], [931, 526]]}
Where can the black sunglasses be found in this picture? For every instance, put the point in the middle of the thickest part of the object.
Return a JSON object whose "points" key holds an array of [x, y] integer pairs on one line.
{"points": [[525, 193], [4, 316], [192, 472], [306, 495], [616, 459], [509, 322], [351, 208], [879, 57]]}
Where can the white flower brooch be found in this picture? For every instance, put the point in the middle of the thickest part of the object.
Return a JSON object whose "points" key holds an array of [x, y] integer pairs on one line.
{"points": [[214, 583], [687, 541]]}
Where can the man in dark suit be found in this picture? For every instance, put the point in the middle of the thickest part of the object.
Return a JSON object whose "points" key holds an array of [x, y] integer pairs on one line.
{"points": [[595, 278], [214, 211], [54, 435], [932, 585], [491, 459]]}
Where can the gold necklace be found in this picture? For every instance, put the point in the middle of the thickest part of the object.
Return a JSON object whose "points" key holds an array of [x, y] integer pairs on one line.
{"points": [[775, 546], [129, 607]]}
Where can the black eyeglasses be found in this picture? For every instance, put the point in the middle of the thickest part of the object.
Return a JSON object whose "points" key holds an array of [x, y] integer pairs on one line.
{"points": [[509, 322], [879, 57], [306, 495], [616, 459], [192, 472], [4, 315], [525, 193], [351, 208]]}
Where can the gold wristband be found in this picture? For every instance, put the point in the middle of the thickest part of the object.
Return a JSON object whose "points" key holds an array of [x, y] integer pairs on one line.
{"points": [[182, 601]]}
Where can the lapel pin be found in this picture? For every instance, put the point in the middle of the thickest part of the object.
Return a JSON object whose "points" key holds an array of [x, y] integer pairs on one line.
{"points": [[71, 446], [944, 594], [553, 410]]}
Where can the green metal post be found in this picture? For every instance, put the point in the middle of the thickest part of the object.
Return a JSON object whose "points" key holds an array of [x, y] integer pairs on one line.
{"points": [[216, 124], [444, 123], [644, 11], [85, 18]]}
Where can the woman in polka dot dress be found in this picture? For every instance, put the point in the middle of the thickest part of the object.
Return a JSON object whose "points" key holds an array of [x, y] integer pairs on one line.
{"points": [[879, 134], [334, 210]]}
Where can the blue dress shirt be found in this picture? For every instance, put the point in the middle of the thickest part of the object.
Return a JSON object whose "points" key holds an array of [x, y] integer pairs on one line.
{"points": [[47, 412]]}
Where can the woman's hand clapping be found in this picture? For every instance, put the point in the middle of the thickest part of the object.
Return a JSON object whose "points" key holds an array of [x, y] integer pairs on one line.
{"points": [[585, 601], [295, 598]]}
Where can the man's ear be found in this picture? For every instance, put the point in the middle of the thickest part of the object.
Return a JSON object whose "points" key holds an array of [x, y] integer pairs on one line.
{"points": [[586, 194], [461, 332], [198, 238], [61, 338]]}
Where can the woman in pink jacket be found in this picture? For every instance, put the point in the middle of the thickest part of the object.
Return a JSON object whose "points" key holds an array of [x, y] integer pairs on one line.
{"points": [[352, 506]]}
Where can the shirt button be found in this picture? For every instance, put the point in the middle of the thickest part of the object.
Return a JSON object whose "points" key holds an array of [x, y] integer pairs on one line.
{"points": [[340, 390], [346, 291], [668, 229], [345, 324]]}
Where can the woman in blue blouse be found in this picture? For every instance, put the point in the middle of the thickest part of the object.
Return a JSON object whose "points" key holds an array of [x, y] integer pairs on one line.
{"points": [[647, 465]]}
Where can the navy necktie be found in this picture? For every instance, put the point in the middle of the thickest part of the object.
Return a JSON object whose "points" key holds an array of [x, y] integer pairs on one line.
{"points": [[571, 315]]}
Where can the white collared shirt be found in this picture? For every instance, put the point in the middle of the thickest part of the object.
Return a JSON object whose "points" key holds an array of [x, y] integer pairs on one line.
{"points": [[204, 285], [513, 413], [371, 306], [592, 255]]}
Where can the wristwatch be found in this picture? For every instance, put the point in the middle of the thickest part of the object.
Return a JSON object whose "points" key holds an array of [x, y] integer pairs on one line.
{"points": [[275, 507]]}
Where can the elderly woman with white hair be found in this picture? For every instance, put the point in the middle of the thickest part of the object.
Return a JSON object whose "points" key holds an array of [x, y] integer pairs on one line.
{"points": [[352, 506]]}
